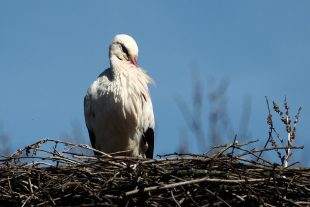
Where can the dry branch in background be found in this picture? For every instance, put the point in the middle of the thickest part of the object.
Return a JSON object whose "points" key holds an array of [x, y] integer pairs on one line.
{"points": [[52, 172], [193, 115], [4, 141], [220, 127], [217, 127], [284, 146]]}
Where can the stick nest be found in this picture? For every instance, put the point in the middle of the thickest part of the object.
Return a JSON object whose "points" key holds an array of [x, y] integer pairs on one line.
{"points": [[51, 172]]}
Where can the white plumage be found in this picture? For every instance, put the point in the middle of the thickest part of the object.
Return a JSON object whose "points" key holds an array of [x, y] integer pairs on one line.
{"points": [[117, 107]]}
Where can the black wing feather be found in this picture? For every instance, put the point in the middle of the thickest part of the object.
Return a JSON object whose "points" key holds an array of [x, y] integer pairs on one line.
{"points": [[148, 137], [89, 112], [92, 140], [92, 137]]}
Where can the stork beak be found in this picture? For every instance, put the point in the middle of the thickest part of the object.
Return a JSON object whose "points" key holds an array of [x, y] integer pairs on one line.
{"points": [[134, 60]]}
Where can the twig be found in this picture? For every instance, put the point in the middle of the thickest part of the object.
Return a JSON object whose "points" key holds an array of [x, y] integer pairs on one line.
{"points": [[206, 179]]}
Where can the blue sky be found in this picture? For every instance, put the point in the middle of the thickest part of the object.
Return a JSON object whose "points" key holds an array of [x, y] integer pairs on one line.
{"points": [[50, 52]]}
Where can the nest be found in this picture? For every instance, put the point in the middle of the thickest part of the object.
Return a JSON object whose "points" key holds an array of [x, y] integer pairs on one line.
{"points": [[52, 173]]}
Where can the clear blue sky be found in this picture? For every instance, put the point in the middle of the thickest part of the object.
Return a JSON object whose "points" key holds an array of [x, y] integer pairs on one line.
{"points": [[50, 52]]}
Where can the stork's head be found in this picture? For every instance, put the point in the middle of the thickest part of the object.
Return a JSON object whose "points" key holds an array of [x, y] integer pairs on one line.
{"points": [[125, 48]]}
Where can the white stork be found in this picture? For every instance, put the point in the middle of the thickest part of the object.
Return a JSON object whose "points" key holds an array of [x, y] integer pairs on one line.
{"points": [[117, 107]]}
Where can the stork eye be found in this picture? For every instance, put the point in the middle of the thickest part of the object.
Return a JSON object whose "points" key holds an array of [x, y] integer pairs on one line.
{"points": [[125, 50]]}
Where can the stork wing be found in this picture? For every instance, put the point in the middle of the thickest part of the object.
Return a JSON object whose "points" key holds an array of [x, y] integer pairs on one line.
{"points": [[148, 138], [148, 124], [87, 113]]}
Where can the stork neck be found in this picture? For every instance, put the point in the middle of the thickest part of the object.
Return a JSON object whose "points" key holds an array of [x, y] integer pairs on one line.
{"points": [[115, 61], [119, 66]]}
